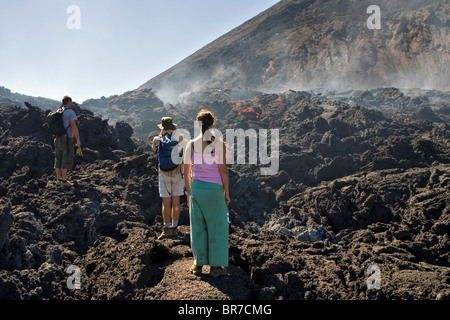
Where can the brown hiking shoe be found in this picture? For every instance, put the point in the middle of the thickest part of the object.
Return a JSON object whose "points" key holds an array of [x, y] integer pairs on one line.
{"points": [[196, 270], [218, 272], [166, 233], [66, 183]]}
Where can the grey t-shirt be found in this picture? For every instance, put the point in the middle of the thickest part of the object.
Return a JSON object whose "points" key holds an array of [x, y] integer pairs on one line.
{"points": [[68, 116]]}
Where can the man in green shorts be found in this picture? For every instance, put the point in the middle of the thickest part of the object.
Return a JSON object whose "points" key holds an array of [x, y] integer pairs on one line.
{"points": [[64, 145]]}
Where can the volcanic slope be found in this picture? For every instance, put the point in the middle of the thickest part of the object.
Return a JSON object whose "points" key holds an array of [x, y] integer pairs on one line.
{"points": [[306, 44]]}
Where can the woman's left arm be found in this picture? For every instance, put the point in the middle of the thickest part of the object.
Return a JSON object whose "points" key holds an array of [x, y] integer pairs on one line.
{"points": [[223, 168]]}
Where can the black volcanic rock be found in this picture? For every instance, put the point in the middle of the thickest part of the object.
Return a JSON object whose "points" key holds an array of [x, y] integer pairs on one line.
{"points": [[6, 220], [363, 178], [354, 188], [141, 109], [27, 144], [426, 113]]}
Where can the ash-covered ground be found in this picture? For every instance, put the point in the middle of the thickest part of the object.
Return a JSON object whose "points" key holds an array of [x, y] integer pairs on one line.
{"points": [[362, 194]]}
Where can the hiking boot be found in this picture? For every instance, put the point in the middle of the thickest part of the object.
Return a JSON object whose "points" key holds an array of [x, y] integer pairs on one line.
{"points": [[66, 183], [174, 231], [196, 270], [166, 233], [51, 183], [218, 272]]}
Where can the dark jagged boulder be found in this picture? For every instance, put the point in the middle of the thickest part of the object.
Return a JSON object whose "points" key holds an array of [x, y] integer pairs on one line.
{"points": [[26, 141], [426, 113], [124, 132], [6, 220]]}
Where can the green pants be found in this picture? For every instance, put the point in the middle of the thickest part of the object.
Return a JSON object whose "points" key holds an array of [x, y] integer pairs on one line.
{"points": [[64, 152], [209, 225]]}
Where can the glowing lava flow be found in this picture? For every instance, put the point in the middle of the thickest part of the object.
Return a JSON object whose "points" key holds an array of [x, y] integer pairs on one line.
{"points": [[256, 111]]}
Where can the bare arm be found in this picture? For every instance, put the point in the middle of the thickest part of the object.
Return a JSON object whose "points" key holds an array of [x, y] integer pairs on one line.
{"points": [[74, 127], [223, 168], [155, 144], [187, 168]]}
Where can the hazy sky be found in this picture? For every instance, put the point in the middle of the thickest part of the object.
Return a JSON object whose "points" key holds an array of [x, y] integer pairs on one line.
{"points": [[120, 45]]}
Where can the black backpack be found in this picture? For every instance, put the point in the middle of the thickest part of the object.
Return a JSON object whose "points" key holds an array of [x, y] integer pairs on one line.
{"points": [[56, 124]]}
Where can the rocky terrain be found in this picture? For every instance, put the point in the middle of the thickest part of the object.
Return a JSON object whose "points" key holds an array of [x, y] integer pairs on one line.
{"points": [[143, 110], [356, 189], [359, 207], [140, 108]]}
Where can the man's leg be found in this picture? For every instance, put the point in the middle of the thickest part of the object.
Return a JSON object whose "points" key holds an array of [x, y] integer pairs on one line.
{"points": [[176, 209], [63, 174], [178, 191], [167, 211], [58, 158], [67, 159], [58, 174]]}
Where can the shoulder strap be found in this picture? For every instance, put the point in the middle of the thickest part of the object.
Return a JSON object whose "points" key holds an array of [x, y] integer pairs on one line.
{"points": [[64, 110]]}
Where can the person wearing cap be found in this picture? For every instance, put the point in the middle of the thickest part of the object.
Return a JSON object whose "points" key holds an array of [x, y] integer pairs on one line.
{"points": [[64, 145], [171, 183]]}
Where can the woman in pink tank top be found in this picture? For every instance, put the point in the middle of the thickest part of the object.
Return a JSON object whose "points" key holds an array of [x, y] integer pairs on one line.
{"points": [[207, 187]]}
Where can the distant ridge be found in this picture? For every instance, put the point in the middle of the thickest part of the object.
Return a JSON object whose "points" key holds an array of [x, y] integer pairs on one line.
{"points": [[10, 98]]}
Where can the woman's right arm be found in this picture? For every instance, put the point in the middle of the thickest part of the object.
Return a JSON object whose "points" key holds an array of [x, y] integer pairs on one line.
{"points": [[187, 168]]}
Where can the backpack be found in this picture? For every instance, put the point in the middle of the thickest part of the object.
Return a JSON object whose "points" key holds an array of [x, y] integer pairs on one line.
{"points": [[165, 147], [56, 124]]}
